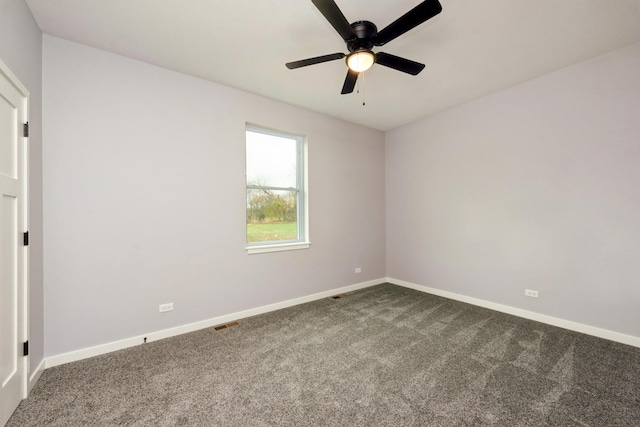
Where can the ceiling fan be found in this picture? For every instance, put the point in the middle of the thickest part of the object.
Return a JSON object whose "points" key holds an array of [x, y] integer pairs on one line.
{"points": [[362, 36]]}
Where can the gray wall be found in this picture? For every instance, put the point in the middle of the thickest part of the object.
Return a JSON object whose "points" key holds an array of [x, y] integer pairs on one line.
{"points": [[21, 50], [536, 186], [145, 200]]}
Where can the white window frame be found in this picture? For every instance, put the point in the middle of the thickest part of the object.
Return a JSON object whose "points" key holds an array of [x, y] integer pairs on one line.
{"points": [[302, 203]]}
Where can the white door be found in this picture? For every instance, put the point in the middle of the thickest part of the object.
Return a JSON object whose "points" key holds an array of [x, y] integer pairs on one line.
{"points": [[13, 256]]}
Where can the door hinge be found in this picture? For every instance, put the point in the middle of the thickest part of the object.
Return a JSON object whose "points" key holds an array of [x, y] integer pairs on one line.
{"points": [[25, 238], [25, 130], [25, 348]]}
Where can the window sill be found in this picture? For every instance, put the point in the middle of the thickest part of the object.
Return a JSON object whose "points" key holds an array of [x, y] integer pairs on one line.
{"points": [[277, 248]]}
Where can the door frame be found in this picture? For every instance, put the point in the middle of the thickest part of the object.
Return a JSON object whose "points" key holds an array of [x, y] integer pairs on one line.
{"points": [[23, 212]]}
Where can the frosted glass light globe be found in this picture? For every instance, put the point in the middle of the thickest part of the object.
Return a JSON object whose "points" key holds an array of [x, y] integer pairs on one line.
{"points": [[360, 61]]}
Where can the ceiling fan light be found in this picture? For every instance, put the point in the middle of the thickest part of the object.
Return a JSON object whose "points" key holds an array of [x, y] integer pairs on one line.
{"points": [[361, 61]]}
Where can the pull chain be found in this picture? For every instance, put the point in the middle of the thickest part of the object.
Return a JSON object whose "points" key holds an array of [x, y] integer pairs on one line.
{"points": [[363, 86], [363, 89]]}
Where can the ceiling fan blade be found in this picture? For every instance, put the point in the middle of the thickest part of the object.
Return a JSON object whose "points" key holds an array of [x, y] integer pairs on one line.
{"points": [[349, 82], [316, 60], [398, 63], [416, 16], [332, 13]]}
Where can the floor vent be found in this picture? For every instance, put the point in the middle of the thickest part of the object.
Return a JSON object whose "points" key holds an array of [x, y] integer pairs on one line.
{"points": [[225, 326], [339, 296]]}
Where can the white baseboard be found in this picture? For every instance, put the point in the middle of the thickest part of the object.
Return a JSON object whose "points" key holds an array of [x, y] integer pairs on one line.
{"points": [[35, 375], [85, 353], [543, 318]]}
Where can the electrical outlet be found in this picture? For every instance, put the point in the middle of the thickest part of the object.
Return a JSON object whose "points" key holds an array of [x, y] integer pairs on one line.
{"points": [[358, 270], [165, 307], [531, 293]]}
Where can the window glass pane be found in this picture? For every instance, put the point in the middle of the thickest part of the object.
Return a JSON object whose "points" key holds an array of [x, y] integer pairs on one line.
{"points": [[271, 160], [272, 215]]}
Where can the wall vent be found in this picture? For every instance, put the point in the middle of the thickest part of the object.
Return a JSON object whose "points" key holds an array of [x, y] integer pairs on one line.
{"points": [[225, 326]]}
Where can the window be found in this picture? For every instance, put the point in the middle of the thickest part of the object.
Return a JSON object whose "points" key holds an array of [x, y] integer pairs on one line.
{"points": [[276, 198]]}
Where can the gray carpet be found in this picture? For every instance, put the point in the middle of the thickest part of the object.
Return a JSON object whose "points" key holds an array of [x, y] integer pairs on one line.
{"points": [[383, 356]]}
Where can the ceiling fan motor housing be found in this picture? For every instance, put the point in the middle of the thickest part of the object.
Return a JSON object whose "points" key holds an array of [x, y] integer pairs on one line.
{"points": [[365, 31]]}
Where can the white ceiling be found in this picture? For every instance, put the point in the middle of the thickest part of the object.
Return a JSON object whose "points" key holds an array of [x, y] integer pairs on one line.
{"points": [[471, 49]]}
